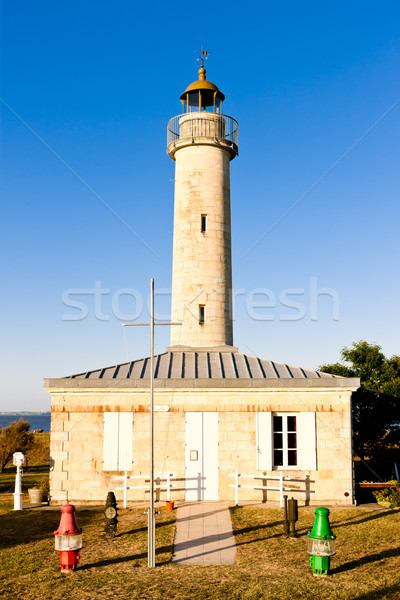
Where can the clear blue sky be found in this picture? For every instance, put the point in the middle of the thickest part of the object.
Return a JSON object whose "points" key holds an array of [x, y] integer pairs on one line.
{"points": [[90, 87]]}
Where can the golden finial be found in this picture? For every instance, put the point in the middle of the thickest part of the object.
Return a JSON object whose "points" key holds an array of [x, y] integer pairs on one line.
{"points": [[203, 56]]}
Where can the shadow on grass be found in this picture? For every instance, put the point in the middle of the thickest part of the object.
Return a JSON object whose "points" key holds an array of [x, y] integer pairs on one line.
{"points": [[349, 522], [384, 592], [144, 528], [132, 557], [365, 560], [257, 528], [300, 531], [24, 527], [29, 526], [202, 542]]}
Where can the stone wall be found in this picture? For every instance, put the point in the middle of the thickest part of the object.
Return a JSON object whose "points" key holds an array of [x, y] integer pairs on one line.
{"points": [[77, 439]]}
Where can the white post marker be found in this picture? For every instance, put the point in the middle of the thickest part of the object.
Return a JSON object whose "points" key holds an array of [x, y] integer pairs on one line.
{"points": [[236, 488], [125, 487], [151, 514], [169, 475], [281, 489], [18, 461]]}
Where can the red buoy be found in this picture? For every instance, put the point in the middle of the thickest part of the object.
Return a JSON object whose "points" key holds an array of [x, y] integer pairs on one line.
{"points": [[68, 539]]}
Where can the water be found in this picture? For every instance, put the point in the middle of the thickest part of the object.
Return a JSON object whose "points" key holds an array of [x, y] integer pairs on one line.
{"points": [[36, 421]]}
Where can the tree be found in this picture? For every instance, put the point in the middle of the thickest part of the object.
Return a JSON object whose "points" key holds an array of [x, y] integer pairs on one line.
{"points": [[376, 405], [14, 438]]}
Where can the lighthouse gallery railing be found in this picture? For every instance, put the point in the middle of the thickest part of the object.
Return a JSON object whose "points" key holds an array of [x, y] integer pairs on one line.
{"points": [[202, 125]]}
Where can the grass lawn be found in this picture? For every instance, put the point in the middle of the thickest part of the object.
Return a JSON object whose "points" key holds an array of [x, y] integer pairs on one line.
{"points": [[268, 566], [367, 564]]}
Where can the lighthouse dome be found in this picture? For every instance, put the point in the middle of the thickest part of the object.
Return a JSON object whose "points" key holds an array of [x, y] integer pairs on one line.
{"points": [[202, 94]]}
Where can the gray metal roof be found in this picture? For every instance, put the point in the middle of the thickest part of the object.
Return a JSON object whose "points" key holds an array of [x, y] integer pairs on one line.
{"points": [[204, 365]]}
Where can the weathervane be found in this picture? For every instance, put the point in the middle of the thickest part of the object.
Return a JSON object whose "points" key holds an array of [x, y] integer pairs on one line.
{"points": [[203, 56]]}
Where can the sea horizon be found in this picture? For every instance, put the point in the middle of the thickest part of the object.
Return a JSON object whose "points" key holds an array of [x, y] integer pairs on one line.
{"points": [[25, 412], [37, 420]]}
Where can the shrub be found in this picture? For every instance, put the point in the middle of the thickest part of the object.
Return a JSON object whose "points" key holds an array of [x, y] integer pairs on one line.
{"points": [[14, 438], [388, 497]]}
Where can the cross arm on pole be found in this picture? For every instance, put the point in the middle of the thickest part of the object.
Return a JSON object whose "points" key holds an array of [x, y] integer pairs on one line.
{"points": [[142, 324]]}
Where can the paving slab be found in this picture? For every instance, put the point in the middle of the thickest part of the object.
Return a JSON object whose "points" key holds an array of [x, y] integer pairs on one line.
{"points": [[204, 535]]}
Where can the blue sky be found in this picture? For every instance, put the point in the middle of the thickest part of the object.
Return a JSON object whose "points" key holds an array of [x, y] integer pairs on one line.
{"points": [[87, 89]]}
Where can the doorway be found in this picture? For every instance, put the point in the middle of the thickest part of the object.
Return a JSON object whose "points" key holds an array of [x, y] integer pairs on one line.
{"points": [[201, 456]]}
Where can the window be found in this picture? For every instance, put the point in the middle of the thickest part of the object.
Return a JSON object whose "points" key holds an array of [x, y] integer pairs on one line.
{"points": [[202, 314], [286, 440], [284, 429], [117, 441], [203, 223]]}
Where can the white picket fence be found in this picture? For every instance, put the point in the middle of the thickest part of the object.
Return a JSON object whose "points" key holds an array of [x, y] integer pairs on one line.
{"points": [[280, 488], [163, 482], [160, 481]]}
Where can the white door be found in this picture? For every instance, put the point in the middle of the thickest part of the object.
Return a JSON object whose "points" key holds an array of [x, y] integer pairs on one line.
{"points": [[201, 456]]}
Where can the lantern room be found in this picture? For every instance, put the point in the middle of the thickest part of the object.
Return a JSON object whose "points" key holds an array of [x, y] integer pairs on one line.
{"points": [[202, 121], [202, 95]]}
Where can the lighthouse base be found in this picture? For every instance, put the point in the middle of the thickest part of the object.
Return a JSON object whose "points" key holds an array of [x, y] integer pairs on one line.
{"points": [[224, 348]]}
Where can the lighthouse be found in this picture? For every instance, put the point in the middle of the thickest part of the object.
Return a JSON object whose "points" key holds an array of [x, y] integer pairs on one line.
{"points": [[202, 141], [220, 414]]}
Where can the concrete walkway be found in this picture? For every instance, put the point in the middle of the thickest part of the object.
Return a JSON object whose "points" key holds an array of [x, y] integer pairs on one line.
{"points": [[204, 535]]}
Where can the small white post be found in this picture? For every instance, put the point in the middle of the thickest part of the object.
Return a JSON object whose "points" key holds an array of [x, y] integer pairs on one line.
{"points": [[125, 487], [236, 487], [18, 490], [18, 461], [281, 489], [168, 486]]}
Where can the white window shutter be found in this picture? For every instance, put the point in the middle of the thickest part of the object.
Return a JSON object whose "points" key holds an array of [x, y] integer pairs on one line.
{"points": [[307, 442], [264, 441], [110, 441], [125, 441]]}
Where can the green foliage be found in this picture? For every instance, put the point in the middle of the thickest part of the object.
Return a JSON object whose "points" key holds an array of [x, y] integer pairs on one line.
{"points": [[388, 497], [14, 438], [376, 405], [337, 369]]}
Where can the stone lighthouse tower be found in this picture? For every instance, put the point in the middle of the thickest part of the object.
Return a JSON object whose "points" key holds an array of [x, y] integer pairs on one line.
{"points": [[219, 410], [202, 141]]}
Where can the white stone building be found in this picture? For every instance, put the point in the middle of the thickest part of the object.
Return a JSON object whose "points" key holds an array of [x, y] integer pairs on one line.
{"points": [[222, 410]]}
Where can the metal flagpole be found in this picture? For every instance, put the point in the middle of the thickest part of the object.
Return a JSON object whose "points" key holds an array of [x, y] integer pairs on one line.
{"points": [[152, 524], [151, 542]]}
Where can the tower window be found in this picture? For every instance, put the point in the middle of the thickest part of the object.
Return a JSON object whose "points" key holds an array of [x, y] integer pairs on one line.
{"points": [[203, 223], [202, 314]]}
